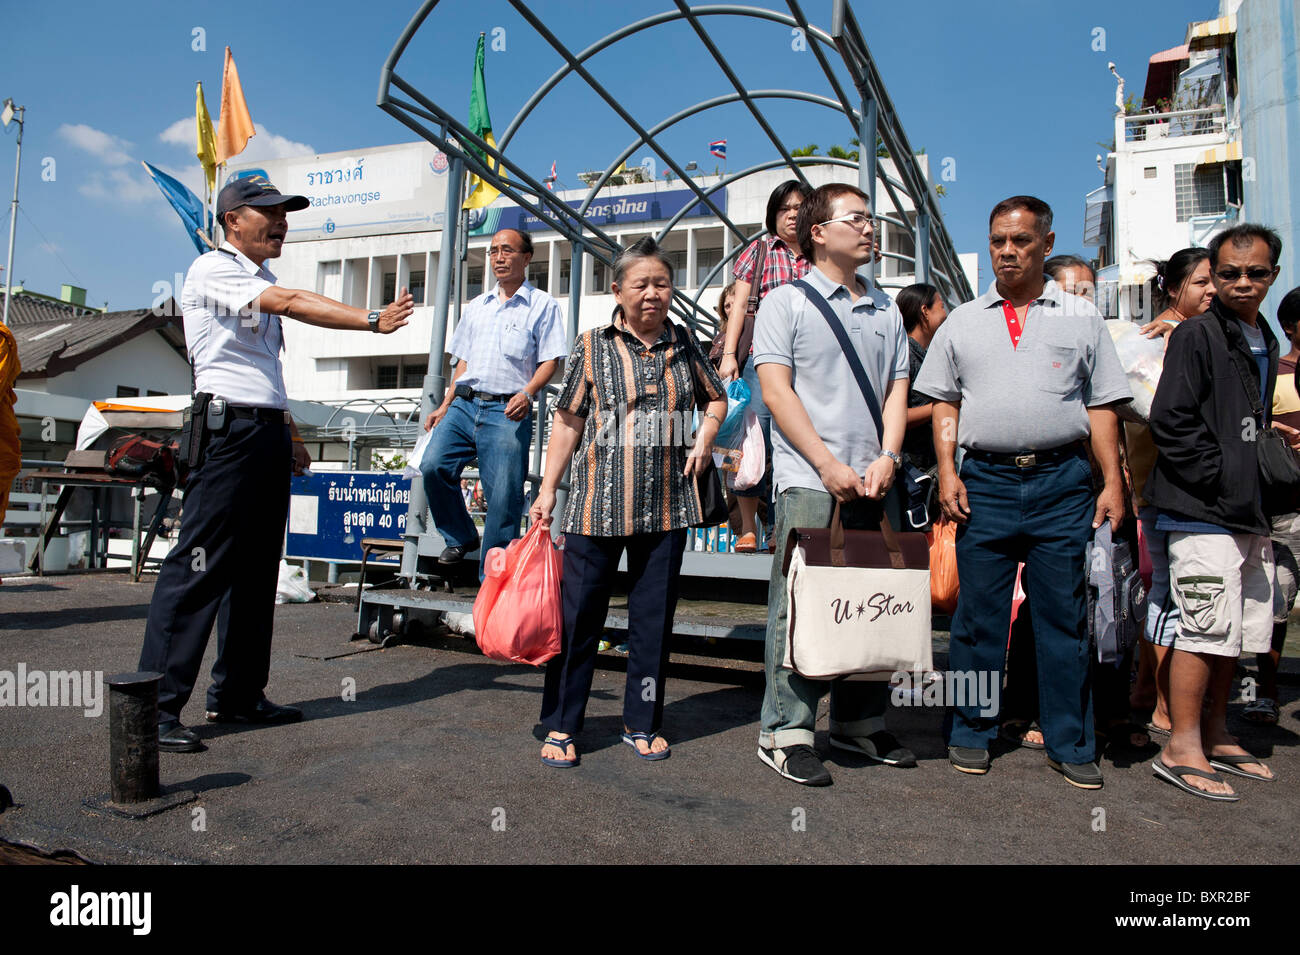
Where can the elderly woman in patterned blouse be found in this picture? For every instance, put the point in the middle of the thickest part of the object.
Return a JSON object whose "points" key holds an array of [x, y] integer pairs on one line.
{"points": [[626, 406]]}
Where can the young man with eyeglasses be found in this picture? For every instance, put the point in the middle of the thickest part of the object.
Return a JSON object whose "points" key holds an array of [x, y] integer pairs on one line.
{"points": [[825, 448], [506, 347], [1219, 367]]}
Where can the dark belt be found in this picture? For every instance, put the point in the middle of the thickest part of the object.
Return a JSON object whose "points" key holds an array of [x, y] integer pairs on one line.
{"points": [[264, 415], [466, 392], [1029, 459]]}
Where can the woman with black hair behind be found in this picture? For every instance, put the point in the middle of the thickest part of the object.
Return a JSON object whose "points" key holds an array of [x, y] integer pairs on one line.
{"points": [[639, 377], [770, 262], [923, 310]]}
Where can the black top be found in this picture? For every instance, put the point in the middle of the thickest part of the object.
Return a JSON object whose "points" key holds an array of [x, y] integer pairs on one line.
{"points": [[918, 442], [1202, 424]]}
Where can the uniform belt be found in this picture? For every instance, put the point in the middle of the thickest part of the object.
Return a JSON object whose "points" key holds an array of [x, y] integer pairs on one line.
{"points": [[464, 391], [1029, 459], [265, 415]]}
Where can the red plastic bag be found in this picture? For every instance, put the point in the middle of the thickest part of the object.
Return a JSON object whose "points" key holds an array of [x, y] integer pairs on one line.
{"points": [[943, 567], [517, 614]]}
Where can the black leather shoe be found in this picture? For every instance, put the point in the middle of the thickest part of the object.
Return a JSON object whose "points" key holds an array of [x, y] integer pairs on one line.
{"points": [[175, 738], [264, 712], [453, 554]]}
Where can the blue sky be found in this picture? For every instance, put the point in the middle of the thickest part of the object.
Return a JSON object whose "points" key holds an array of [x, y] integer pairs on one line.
{"points": [[1014, 92]]}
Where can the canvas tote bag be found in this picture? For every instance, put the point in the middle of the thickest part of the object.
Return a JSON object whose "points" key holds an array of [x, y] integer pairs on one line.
{"points": [[858, 602]]}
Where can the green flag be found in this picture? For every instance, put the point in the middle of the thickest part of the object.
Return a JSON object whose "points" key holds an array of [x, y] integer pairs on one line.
{"points": [[480, 124]]}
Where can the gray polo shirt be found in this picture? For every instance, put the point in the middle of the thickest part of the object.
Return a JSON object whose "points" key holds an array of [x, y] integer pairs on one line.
{"points": [[790, 331], [1029, 398]]}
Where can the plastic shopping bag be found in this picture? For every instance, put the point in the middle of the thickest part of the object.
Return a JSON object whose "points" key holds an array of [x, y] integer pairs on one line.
{"points": [[517, 614], [731, 434], [748, 471], [1142, 359], [943, 566], [292, 587], [412, 469]]}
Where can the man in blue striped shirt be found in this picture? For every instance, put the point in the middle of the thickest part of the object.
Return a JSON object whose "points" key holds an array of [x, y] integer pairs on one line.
{"points": [[506, 348]]}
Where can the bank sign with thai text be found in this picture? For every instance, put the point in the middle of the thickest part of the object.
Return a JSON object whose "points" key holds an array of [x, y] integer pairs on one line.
{"points": [[380, 191], [655, 206]]}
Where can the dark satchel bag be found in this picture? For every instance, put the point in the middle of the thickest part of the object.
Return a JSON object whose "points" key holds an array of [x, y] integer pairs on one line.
{"points": [[1117, 601], [1279, 466], [747, 330], [138, 458], [708, 486]]}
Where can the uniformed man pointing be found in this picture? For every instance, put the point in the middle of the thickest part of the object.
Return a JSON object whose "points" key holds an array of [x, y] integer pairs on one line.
{"points": [[226, 560]]}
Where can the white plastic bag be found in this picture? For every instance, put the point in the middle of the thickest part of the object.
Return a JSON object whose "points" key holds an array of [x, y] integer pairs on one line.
{"points": [[1142, 359], [293, 587], [412, 469], [753, 456]]}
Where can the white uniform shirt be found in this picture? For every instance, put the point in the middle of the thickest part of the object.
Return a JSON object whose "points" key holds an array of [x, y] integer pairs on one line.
{"points": [[235, 351]]}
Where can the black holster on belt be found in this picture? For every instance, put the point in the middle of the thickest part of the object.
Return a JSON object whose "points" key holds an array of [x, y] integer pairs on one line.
{"points": [[190, 454]]}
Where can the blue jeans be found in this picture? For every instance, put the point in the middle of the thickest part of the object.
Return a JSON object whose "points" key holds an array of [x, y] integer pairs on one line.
{"points": [[477, 428], [763, 489], [1042, 516], [790, 700]]}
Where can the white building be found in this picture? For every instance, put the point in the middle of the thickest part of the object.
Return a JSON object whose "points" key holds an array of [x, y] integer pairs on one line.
{"points": [[1174, 177], [360, 243]]}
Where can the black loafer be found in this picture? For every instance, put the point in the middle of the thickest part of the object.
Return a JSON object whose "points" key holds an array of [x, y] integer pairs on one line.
{"points": [[1083, 775], [175, 738], [264, 712], [966, 759], [453, 554]]}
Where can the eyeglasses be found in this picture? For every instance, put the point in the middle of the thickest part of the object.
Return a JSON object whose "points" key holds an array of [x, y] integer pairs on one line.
{"points": [[858, 220], [496, 250], [1255, 275]]}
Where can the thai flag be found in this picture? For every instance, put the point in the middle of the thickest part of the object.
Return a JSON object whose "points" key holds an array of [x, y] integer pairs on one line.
{"points": [[719, 148], [550, 180]]}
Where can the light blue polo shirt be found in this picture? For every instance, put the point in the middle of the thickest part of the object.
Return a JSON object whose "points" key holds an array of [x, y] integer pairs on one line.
{"points": [[789, 330]]}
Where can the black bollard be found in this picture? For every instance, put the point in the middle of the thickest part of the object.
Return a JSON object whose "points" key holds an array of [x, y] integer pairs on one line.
{"points": [[133, 736]]}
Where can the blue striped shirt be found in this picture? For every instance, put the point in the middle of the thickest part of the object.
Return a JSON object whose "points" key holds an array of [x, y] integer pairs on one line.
{"points": [[502, 343]]}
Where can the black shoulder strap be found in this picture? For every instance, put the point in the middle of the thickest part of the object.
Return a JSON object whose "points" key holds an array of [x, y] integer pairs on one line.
{"points": [[855, 363], [1247, 380]]}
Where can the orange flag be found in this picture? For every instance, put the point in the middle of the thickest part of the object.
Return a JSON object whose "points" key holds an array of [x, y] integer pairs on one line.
{"points": [[234, 126]]}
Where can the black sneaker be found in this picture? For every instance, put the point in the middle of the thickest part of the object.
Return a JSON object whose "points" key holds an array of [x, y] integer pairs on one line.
{"points": [[1082, 775], [967, 759], [798, 763]]}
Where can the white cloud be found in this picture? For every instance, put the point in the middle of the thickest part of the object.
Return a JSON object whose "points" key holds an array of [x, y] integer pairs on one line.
{"points": [[112, 150], [180, 133], [119, 185], [265, 145]]}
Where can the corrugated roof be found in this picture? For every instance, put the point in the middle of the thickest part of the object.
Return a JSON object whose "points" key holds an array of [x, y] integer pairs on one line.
{"points": [[54, 337]]}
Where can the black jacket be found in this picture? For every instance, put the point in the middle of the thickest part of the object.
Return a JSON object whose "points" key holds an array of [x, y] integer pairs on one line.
{"points": [[1202, 424]]}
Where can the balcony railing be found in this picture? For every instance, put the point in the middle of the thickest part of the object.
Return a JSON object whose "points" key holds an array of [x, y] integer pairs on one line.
{"points": [[1145, 127]]}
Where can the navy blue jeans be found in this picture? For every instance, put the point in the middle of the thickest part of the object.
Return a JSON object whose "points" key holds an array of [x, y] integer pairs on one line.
{"points": [[1043, 517], [477, 428]]}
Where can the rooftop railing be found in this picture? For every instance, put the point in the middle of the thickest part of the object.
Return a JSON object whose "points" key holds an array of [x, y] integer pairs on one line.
{"points": [[1146, 127]]}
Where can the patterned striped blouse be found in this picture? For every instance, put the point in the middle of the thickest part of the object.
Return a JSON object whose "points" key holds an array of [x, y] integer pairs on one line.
{"points": [[626, 476]]}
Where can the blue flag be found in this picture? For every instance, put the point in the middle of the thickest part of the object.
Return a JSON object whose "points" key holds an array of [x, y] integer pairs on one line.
{"points": [[186, 204]]}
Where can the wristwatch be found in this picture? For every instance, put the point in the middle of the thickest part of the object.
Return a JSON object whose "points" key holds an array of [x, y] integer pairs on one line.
{"points": [[895, 457], [373, 319]]}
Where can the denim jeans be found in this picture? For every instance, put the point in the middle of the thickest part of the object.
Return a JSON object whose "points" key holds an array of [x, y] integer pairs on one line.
{"points": [[1042, 516], [790, 700], [763, 489], [477, 428]]}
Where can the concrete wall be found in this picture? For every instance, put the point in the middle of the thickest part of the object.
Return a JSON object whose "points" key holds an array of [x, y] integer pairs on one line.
{"points": [[146, 362]]}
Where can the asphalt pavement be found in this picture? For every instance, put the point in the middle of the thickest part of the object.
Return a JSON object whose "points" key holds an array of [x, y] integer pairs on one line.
{"points": [[436, 760]]}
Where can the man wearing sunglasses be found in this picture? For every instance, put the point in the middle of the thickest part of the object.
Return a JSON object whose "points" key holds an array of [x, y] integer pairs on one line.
{"points": [[1219, 371]]}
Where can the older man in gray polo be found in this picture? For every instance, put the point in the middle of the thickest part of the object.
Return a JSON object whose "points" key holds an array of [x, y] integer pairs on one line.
{"points": [[1031, 375]]}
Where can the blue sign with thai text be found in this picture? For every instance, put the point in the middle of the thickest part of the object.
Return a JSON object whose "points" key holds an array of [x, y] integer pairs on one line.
{"points": [[330, 511]]}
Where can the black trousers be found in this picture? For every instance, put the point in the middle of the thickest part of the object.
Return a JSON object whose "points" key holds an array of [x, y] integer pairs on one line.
{"points": [[654, 563], [224, 568]]}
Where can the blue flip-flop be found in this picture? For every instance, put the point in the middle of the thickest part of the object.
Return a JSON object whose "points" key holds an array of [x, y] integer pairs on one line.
{"points": [[649, 738], [562, 743]]}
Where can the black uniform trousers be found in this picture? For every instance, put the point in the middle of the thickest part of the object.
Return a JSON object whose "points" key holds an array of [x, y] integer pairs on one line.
{"points": [[225, 565]]}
